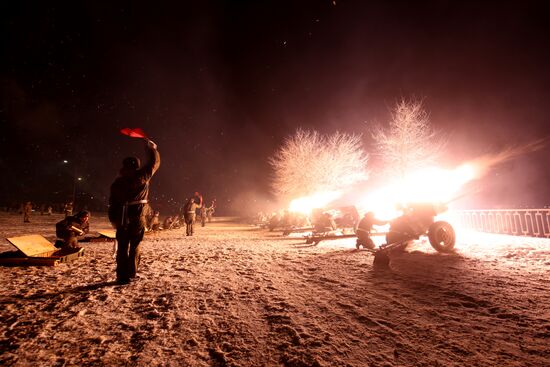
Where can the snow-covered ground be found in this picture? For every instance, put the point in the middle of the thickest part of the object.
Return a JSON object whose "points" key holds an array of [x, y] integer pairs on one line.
{"points": [[236, 295]]}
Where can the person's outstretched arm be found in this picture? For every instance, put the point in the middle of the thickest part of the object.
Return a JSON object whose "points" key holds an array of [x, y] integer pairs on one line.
{"points": [[154, 158]]}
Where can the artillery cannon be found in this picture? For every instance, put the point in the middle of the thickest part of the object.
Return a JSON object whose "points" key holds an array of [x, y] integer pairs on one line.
{"points": [[416, 221], [333, 224]]}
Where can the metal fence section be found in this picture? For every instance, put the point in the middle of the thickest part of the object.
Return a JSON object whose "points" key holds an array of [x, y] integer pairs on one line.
{"points": [[516, 222]]}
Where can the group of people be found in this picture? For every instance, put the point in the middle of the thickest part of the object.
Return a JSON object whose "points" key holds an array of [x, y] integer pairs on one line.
{"points": [[27, 208], [284, 219], [322, 222], [153, 223], [128, 213], [187, 218]]}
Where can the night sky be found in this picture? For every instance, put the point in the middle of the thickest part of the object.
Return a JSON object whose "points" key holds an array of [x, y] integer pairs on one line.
{"points": [[219, 85]]}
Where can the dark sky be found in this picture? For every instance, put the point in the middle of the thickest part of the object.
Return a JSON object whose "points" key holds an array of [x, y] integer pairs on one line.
{"points": [[219, 84]]}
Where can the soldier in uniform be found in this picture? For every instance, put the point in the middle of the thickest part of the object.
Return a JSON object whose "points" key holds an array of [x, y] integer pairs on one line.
{"points": [[68, 208], [129, 194], [27, 210], [148, 213], [210, 211], [202, 215], [168, 222], [323, 222], [364, 228], [71, 228], [191, 207], [155, 222], [175, 222]]}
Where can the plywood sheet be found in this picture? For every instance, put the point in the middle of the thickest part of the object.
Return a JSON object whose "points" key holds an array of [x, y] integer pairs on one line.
{"points": [[32, 245], [108, 234]]}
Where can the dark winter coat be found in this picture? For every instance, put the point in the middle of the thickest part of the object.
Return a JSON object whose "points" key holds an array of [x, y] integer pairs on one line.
{"points": [[191, 209], [131, 186], [63, 228], [366, 224]]}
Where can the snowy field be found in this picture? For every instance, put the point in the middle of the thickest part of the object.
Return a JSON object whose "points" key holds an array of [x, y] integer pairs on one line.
{"points": [[236, 295]]}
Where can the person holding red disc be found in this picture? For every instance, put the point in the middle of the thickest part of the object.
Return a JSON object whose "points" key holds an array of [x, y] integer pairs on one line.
{"points": [[129, 195]]}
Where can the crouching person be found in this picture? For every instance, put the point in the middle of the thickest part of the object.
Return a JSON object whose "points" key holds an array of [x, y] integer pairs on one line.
{"points": [[364, 229], [71, 229]]}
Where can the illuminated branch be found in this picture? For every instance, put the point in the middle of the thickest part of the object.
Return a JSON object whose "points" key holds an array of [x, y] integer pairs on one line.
{"points": [[409, 142], [308, 163]]}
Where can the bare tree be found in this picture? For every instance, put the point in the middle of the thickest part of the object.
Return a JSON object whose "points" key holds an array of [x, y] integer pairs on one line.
{"points": [[409, 142], [308, 163]]}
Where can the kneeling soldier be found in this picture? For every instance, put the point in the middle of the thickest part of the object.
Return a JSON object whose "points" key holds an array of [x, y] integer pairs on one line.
{"points": [[71, 228]]}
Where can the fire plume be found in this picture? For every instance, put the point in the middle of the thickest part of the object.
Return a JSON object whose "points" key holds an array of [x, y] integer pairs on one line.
{"points": [[438, 185], [318, 200]]}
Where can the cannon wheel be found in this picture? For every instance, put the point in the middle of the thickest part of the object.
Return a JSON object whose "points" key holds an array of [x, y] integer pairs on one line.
{"points": [[442, 236]]}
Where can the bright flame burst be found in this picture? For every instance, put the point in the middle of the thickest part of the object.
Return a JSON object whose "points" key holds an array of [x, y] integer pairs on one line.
{"points": [[434, 185], [428, 185], [318, 200]]}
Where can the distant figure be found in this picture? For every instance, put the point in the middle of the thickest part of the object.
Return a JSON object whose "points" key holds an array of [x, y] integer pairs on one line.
{"points": [[70, 229], [68, 208], [50, 210], [259, 218], [148, 214], [364, 228], [324, 223], [191, 207], [155, 222], [129, 194], [27, 211], [274, 221], [197, 197], [202, 215], [167, 223], [347, 221], [175, 222], [210, 211]]}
